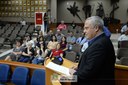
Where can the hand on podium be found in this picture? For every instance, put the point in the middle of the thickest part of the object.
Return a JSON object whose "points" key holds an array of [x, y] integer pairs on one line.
{"points": [[72, 70]]}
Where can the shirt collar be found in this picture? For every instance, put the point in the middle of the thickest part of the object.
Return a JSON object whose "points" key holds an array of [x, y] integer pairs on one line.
{"points": [[93, 39]]}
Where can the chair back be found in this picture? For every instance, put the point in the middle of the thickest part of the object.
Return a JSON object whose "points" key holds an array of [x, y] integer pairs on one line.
{"points": [[122, 52], [123, 44], [4, 73], [20, 76], [124, 61], [76, 48], [71, 56], [38, 77]]}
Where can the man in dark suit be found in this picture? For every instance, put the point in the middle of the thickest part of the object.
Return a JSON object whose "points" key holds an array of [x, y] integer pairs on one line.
{"points": [[96, 66]]}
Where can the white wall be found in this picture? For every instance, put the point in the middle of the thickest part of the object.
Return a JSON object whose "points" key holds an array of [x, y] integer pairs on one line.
{"points": [[59, 10], [121, 13], [54, 11], [64, 14], [106, 5]]}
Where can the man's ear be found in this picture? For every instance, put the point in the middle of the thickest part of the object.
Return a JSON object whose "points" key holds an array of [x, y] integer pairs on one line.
{"points": [[97, 28]]}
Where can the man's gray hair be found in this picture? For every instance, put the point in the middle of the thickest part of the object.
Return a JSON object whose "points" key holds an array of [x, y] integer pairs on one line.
{"points": [[96, 21]]}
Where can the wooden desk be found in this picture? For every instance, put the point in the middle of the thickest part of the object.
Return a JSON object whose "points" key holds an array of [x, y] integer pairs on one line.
{"points": [[121, 74], [50, 72]]}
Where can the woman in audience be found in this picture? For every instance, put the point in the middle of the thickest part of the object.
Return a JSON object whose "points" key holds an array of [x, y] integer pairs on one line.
{"points": [[40, 40], [51, 45], [40, 54], [63, 44], [40, 33], [62, 26], [56, 52], [28, 39], [17, 51], [28, 53]]}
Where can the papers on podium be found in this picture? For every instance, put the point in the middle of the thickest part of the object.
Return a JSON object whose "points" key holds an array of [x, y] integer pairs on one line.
{"points": [[58, 68]]}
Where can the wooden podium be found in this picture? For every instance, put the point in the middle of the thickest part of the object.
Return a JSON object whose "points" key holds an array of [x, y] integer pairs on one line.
{"points": [[49, 72]]}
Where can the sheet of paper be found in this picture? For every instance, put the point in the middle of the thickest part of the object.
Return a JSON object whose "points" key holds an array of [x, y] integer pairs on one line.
{"points": [[58, 68]]}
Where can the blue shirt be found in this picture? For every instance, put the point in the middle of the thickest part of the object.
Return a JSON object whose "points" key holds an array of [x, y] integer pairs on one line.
{"points": [[81, 41], [107, 32], [93, 39]]}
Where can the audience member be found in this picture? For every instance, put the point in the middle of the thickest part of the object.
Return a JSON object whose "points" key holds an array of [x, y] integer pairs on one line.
{"points": [[51, 45], [70, 40], [17, 51], [40, 40], [56, 52], [81, 40], [63, 44], [23, 22], [73, 24], [48, 37], [27, 54], [28, 39], [39, 58], [59, 35], [124, 37], [62, 26], [124, 28]]}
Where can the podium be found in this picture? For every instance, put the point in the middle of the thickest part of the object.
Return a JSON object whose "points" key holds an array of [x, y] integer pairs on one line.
{"points": [[50, 72]]}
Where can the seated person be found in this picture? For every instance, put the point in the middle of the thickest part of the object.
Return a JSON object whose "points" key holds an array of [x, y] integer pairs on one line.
{"points": [[23, 22], [63, 44], [28, 39], [28, 53], [49, 35], [81, 40], [59, 35], [71, 39], [56, 52], [124, 37], [62, 26], [123, 29], [17, 51], [40, 54], [73, 24], [51, 45]]}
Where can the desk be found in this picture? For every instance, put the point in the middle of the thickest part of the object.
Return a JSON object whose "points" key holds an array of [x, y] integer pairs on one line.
{"points": [[121, 74], [49, 72]]}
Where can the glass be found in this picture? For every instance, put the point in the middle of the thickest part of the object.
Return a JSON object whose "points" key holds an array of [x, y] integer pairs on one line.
{"points": [[44, 2], [40, 2], [32, 8], [20, 2], [32, 2], [36, 2], [17, 2]]}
